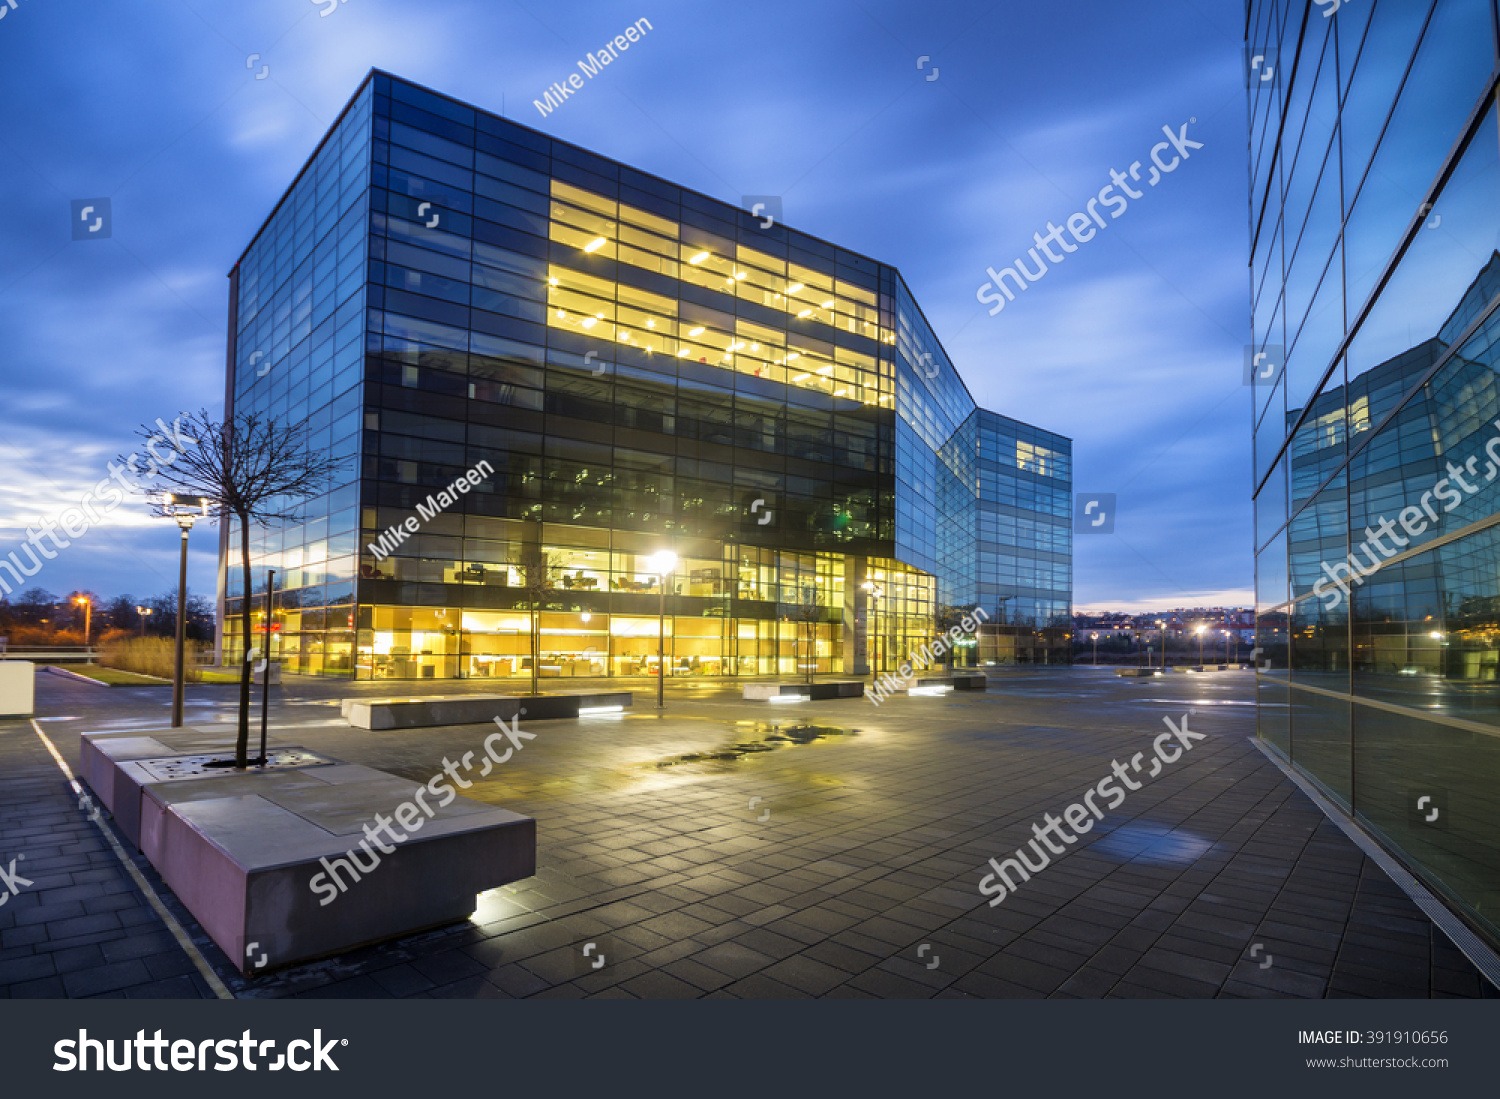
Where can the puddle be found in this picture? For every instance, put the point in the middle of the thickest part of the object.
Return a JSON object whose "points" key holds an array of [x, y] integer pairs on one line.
{"points": [[771, 736], [1154, 844]]}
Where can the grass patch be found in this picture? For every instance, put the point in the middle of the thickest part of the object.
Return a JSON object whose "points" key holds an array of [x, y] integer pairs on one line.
{"points": [[114, 677]]}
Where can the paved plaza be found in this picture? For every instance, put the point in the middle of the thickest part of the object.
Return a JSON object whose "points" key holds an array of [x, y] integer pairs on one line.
{"points": [[731, 848]]}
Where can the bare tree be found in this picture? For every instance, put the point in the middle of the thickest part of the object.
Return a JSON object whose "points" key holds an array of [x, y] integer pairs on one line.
{"points": [[539, 572], [253, 469], [805, 611]]}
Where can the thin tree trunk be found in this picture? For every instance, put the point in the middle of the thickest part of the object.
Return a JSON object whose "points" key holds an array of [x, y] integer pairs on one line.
{"points": [[242, 740], [536, 655]]}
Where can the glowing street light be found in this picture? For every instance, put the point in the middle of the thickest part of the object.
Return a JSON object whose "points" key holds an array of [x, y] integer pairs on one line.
{"points": [[88, 619]]}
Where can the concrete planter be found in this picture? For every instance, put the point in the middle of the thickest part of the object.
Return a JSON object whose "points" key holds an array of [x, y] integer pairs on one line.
{"points": [[258, 856]]}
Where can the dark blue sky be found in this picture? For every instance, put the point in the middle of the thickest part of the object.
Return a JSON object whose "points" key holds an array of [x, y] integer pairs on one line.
{"points": [[1132, 346]]}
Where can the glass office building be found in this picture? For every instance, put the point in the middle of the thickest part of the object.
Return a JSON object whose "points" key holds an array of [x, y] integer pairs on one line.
{"points": [[1375, 219], [639, 368]]}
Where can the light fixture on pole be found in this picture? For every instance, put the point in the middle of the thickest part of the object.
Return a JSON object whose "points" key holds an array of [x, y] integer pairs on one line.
{"points": [[88, 621], [144, 612], [184, 509], [875, 592], [1096, 649], [1199, 632], [662, 563]]}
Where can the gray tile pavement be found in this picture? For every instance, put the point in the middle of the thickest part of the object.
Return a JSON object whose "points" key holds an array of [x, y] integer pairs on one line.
{"points": [[854, 874]]}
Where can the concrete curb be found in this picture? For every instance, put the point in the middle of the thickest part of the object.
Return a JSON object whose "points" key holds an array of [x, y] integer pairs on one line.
{"points": [[53, 669]]}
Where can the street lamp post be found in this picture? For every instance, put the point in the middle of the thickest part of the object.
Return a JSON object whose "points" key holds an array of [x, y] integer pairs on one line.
{"points": [[88, 621], [1199, 632], [265, 683], [144, 612], [875, 591], [1096, 649], [662, 563], [184, 509]]}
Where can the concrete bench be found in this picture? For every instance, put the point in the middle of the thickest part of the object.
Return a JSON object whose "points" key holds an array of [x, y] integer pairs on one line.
{"points": [[814, 691], [970, 681], [836, 688], [1133, 673], [763, 692], [263, 859], [476, 709], [17, 688]]}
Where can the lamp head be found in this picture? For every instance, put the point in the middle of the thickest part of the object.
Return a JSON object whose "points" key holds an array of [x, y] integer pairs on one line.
{"points": [[662, 562]]}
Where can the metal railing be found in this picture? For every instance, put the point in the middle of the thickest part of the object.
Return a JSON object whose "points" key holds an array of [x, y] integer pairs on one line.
{"points": [[61, 654]]}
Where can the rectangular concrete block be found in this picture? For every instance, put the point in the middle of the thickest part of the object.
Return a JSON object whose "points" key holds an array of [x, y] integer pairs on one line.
{"points": [[244, 850], [17, 688], [436, 710], [760, 692], [836, 688], [100, 756], [250, 864], [118, 766]]}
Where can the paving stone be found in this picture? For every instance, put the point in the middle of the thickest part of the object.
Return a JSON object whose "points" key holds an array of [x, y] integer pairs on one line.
{"points": [[831, 896]]}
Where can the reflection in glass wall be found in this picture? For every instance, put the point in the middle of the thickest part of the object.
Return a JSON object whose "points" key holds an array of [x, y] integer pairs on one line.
{"points": [[640, 368], [1378, 515]]}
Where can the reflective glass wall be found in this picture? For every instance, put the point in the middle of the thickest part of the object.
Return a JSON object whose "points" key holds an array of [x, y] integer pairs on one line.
{"points": [[1375, 223], [630, 367], [297, 310]]}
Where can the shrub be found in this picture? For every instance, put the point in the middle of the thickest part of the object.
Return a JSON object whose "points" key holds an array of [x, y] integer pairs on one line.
{"points": [[41, 637], [151, 656]]}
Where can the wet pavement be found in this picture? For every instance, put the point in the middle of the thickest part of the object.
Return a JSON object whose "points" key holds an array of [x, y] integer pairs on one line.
{"points": [[836, 848]]}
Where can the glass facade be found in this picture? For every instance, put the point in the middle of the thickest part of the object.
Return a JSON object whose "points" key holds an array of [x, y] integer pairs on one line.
{"points": [[639, 368], [1375, 219]]}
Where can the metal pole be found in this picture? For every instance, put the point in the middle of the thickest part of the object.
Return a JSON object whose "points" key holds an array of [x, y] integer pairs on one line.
{"points": [[661, 647], [88, 629], [265, 687], [178, 668]]}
